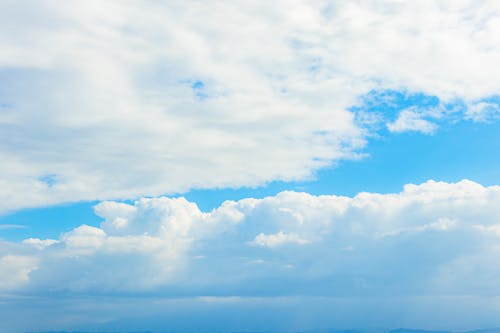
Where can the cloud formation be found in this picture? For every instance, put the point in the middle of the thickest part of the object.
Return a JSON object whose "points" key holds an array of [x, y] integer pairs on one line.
{"points": [[126, 99], [431, 239], [410, 120]]}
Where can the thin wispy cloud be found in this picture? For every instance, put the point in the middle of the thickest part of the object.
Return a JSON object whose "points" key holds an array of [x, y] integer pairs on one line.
{"points": [[12, 226]]}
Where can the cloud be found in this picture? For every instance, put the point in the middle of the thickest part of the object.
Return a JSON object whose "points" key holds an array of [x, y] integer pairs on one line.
{"points": [[277, 239], [15, 270], [12, 226], [409, 120], [39, 243], [129, 99], [428, 239], [483, 111]]}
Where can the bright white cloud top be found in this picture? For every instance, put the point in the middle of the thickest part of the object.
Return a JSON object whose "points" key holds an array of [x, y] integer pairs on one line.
{"points": [[130, 98], [434, 239]]}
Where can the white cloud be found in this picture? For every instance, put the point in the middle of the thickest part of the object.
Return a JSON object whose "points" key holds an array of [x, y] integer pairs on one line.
{"points": [[410, 120], [441, 224], [40, 243], [371, 244], [277, 239], [85, 238], [15, 270], [483, 111], [100, 101], [490, 229]]}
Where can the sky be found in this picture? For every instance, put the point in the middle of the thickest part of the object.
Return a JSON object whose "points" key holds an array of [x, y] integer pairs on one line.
{"points": [[249, 166]]}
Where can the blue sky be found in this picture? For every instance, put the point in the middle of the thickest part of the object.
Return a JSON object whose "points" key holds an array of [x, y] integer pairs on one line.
{"points": [[201, 166]]}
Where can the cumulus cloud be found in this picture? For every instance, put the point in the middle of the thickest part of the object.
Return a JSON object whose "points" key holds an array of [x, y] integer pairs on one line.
{"points": [[429, 238], [125, 99], [15, 270], [39, 243]]}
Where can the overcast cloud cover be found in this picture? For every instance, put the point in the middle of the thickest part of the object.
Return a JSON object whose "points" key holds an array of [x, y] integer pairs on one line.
{"points": [[127, 103]]}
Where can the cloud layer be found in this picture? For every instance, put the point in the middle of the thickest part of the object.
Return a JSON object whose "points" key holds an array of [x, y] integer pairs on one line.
{"points": [[433, 239], [125, 99]]}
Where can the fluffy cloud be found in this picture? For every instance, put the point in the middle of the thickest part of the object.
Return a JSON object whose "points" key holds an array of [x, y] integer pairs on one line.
{"points": [[430, 238], [15, 270], [126, 99]]}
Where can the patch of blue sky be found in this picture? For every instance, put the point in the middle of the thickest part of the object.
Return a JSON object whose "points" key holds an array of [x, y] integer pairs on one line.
{"points": [[494, 99], [50, 179], [47, 222], [196, 85], [379, 107], [392, 101], [198, 88]]}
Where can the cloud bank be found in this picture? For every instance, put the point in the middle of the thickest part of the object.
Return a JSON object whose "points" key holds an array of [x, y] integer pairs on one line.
{"points": [[434, 239], [130, 98]]}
